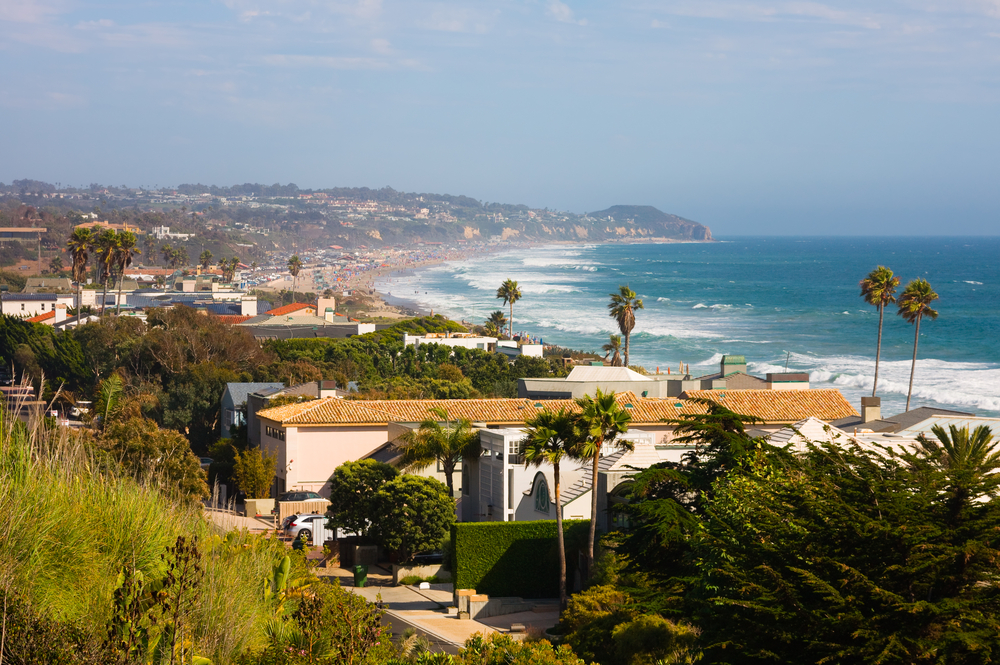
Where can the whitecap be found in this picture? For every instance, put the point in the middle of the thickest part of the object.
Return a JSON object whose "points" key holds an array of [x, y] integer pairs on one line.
{"points": [[700, 305], [971, 282]]}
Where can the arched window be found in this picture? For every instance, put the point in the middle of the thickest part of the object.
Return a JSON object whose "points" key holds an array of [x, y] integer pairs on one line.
{"points": [[541, 493]]}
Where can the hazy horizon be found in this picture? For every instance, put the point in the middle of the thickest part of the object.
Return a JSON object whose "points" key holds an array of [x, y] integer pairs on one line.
{"points": [[759, 118]]}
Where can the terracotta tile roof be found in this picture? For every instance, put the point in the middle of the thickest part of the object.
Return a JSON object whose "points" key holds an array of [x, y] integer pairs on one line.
{"points": [[41, 318], [234, 319], [780, 406], [771, 406], [288, 309]]}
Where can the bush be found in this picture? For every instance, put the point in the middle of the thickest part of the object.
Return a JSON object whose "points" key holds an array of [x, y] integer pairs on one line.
{"points": [[499, 649], [253, 471], [590, 618], [353, 489], [514, 558]]}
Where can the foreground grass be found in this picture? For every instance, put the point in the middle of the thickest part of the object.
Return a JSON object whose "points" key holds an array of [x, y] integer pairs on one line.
{"points": [[69, 528]]}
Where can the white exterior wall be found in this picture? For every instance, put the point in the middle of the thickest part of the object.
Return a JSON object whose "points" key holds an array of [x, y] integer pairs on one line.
{"points": [[29, 308], [483, 343]]}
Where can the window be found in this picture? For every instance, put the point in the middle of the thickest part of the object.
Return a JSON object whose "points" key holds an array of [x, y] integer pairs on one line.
{"points": [[22, 307], [541, 493], [43, 307]]}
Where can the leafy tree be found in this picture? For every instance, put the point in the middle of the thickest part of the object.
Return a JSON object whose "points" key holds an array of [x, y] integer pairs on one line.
{"points": [[151, 454], [879, 289], [601, 421], [510, 293], [622, 309], [415, 514], [440, 440], [353, 490], [253, 471], [190, 403], [549, 437], [855, 554], [614, 346], [914, 305]]}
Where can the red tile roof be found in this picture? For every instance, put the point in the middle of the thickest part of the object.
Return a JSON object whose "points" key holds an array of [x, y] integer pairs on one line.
{"points": [[288, 309], [234, 319], [41, 318], [780, 406]]}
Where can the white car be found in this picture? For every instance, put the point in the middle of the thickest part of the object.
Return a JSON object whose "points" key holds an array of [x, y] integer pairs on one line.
{"points": [[299, 525]]}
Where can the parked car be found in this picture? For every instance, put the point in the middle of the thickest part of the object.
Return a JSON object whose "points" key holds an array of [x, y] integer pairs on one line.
{"points": [[299, 525], [299, 496]]}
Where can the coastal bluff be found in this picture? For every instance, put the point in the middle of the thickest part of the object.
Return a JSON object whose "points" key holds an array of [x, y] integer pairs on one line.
{"points": [[649, 222]]}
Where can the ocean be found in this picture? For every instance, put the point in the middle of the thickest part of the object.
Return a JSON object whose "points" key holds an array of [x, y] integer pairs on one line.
{"points": [[779, 301]]}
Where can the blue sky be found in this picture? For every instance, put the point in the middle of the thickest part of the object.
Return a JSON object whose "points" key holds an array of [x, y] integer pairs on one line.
{"points": [[751, 117]]}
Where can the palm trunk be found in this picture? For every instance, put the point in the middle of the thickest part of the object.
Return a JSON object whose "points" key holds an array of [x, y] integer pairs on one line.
{"points": [[562, 544], [118, 300], [627, 335], [104, 298], [510, 329], [79, 301], [592, 535], [878, 347], [913, 367]]}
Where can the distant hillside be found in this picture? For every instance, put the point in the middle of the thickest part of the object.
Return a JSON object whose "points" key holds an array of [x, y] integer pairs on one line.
{"points": [[648, 221]]}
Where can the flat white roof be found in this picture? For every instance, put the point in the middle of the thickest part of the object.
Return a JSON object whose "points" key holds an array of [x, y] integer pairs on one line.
{"points": [[584, 373]]}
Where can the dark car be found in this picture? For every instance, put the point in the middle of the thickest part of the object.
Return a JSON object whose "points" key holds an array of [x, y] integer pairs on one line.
{"points": [[299, 496], [428, 558]]}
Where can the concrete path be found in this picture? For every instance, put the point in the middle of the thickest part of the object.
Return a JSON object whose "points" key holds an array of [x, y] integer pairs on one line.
{"points": [[432, 613], [231, 522]]}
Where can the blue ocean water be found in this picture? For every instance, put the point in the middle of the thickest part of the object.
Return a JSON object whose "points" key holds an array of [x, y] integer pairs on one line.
{"points": [[774, 300]]}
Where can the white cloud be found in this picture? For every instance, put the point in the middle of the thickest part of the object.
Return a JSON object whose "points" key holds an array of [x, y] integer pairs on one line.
{"points": [[382, 46], [30, 11], [560, 11]]}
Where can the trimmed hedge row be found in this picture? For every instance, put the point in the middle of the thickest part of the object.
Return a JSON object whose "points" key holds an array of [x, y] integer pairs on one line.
{"points": [[514, 558]]}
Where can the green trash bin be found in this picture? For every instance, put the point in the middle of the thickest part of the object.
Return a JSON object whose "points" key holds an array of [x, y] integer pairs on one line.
{"points": [[360, 575]]}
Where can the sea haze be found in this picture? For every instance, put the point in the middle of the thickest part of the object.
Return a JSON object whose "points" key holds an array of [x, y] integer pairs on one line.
{"points": [[770, 299]]}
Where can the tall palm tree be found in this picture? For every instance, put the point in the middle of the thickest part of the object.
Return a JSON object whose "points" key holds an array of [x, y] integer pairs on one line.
{"points": [[106, 249], [548, 438], [441, 440], [150, 244], [510, 293], [294, 266], [123, 259], [614, 346], [622, 309], [914, 305], [601, 420], [879, 289], [205, 259], [79, 243]]}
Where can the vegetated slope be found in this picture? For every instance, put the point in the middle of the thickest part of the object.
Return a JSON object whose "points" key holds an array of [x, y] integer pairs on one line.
{"points": [[648, 221]]}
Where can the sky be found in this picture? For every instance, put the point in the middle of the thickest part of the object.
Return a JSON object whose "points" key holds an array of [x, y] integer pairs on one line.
{"points": [[753, 117]]}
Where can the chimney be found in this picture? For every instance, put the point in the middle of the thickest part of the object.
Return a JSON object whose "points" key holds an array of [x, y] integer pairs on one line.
{"points": [[60, 313], [871, 409], [328, 315]]}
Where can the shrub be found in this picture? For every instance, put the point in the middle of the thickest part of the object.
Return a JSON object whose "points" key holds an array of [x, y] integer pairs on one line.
{"points": [[499, 649], [353, 489], [590, 618], [513, 558]]}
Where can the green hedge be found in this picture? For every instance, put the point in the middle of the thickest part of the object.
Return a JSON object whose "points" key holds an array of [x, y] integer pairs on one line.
{"points": [[514, 558]]}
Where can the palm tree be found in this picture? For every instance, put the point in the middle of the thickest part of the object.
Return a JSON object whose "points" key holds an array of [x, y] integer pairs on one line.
{"points": [[79, 243], [294, 266], [123, 259], [971, 462], [915, 304], [622, 309], [56, 264], [205, 259], [168, 255], [106, 248], [441, 440], [614, 346], [510, 293], [150, 243], [498, 320], [600, 421], [879, 289], [491, 330], [229, 268], [549, 438]]}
